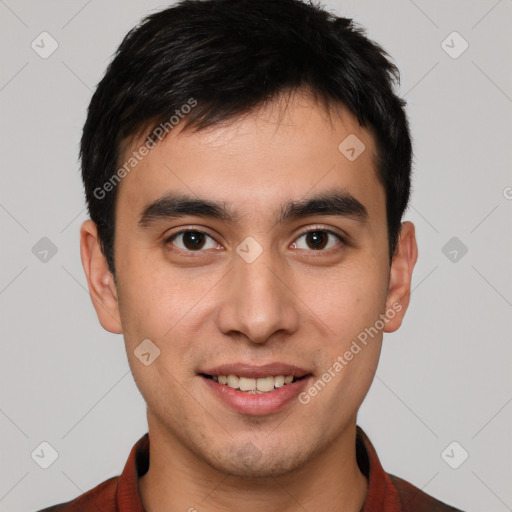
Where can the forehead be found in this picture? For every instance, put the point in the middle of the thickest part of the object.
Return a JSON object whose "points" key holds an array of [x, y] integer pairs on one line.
{"points": [[256, 162]]}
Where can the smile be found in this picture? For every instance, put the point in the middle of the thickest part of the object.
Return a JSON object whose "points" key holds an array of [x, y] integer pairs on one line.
{"points": [[255, 390], [253, 385]]}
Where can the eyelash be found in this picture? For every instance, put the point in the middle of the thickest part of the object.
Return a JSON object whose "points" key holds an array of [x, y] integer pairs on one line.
{"points": [[317, 229]]}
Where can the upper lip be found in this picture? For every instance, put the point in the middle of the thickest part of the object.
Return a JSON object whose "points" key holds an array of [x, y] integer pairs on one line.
{"points": [[252, 371]]}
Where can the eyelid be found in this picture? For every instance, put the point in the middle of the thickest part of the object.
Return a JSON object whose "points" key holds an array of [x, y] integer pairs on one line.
{"points": [[327, 229], [181, 230]]}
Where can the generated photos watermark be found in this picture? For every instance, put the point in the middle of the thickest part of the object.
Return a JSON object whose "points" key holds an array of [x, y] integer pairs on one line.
{"points": [[341, 361]]}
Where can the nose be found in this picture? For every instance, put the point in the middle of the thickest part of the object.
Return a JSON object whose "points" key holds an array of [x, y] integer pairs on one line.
{"points": [[258, 300]]}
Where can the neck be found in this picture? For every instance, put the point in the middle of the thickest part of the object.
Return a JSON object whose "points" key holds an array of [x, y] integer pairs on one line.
{"points": [[178, 480]]}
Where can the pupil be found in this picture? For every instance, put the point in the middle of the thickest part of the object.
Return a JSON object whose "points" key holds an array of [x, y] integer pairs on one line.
{"points": [[193, 240], [317, 237]]}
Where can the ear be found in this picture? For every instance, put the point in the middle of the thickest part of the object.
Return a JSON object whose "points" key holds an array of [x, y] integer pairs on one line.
{"points": [[102, 288], [400, 276]]}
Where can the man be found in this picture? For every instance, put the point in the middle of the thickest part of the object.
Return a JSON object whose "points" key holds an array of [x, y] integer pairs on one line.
{"points": [[246, 167]]}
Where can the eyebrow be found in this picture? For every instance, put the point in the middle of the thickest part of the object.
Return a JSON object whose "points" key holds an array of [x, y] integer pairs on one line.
{"points": [[173, 206], [336, 202]]}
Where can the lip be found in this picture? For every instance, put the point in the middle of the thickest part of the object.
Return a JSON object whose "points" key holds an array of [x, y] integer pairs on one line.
{"points": [[254, 404], [255, 372]]}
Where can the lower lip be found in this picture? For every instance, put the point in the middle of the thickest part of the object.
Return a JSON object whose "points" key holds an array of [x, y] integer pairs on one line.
{"points": [[255, 404]]}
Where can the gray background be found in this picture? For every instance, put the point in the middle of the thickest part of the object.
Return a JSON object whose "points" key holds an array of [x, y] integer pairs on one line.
{"points": [[444, 377]]}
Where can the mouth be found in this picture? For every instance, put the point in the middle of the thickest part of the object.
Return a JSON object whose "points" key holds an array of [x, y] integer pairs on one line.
{"points": [[252, 385], [256, 391]]}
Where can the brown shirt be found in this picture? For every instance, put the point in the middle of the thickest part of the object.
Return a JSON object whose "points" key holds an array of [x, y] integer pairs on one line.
{"points": [[386, 492]]}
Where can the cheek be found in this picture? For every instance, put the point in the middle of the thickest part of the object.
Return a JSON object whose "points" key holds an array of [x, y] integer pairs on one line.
{"points": [[354, 305], [347, 300], [169, 310], [153, 300]]}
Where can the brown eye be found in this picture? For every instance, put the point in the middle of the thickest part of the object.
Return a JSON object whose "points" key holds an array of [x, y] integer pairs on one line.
{"points": [[317, 240], [192, 241]]}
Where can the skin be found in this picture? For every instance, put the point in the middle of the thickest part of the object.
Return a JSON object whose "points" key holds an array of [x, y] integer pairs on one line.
{"points": [[293, 304]]}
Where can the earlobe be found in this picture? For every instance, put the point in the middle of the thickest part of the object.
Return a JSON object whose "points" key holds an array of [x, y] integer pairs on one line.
{"points": [[102, 288], [400, 277]]}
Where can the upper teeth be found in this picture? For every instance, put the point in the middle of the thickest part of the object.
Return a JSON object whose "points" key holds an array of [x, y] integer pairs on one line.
{"points": [[263, 384]]}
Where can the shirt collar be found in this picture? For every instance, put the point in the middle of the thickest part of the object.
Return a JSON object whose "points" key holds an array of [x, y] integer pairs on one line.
{"points": [[382, 495]]}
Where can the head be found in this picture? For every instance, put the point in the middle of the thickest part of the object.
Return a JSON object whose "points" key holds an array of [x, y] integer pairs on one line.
{"points": [[215, 142]]}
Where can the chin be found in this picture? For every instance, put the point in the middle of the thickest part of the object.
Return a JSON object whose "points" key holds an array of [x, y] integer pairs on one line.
{"points": [[247, 461]]}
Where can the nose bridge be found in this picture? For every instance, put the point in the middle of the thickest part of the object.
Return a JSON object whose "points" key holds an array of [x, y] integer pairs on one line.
{"points": [[257, 303]]}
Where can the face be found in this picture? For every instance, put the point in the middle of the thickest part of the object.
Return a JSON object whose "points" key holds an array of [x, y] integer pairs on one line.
{"points": [[264, 285]]}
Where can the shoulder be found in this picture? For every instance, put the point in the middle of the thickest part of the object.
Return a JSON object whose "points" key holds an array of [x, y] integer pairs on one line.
{"points": [[102, 497], [415, 500]]}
